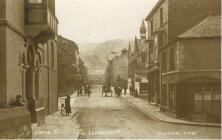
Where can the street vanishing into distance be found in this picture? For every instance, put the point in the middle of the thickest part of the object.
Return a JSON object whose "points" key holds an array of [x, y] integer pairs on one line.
{"points": [[112, 117]]}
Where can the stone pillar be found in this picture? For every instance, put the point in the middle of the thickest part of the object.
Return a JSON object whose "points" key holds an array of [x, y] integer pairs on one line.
{"points": [[33, 70], [37, 84], [23, 75], [24, 84]]}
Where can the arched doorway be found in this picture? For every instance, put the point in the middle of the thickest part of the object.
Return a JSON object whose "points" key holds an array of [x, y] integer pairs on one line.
{"points": [[32, 81]]}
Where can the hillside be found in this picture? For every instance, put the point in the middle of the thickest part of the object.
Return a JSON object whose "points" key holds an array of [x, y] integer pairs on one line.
{"points": [[95, 55]]}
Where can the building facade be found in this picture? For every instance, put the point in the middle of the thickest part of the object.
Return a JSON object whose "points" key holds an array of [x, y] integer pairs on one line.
{"points": [[28, 65], [120, 67], [191, 71], [68, 62], [117, 67], [166, 21], [138, 63]]}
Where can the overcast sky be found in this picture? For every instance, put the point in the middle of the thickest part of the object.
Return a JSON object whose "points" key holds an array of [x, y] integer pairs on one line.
{"points": [[99, 20]]}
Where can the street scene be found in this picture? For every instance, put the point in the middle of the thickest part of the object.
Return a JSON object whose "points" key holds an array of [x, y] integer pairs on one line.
{"points": [[114, 69], [116, 118]]}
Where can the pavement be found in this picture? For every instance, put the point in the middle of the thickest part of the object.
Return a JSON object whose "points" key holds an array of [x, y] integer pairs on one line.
{"points": [[57, 126], [154, 112]]}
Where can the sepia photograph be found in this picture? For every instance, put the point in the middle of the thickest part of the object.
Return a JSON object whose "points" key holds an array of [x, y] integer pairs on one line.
{"points": [[110, 69]]}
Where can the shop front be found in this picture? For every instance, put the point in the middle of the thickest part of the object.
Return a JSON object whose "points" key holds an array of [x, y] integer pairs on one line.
{"points": [[199, 99]]}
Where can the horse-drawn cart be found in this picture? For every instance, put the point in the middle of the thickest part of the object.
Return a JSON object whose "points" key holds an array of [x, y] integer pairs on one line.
{"points": [[106, 90]]}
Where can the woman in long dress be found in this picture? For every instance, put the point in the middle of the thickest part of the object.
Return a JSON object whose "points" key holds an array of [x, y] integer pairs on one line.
{"points": [[67, 105]]}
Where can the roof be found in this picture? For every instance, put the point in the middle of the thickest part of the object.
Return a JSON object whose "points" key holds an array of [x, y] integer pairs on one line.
{"points": [[209, 27], [154, 9], [67, 45]]}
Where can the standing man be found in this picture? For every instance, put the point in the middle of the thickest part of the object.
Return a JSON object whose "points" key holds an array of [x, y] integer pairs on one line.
{"points": [[88, 90], [67, 105]]}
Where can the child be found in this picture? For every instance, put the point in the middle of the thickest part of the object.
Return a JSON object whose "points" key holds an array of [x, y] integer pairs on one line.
{"points": [[63, 109]]}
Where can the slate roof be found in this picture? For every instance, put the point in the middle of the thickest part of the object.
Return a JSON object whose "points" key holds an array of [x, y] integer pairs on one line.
{"points": [[209, 27]]}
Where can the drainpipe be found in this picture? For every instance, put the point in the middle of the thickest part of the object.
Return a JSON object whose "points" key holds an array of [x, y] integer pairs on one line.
{"points": [[48, 73]]}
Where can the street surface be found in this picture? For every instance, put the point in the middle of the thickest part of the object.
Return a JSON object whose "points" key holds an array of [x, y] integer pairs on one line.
{"points": [[110, 117]]}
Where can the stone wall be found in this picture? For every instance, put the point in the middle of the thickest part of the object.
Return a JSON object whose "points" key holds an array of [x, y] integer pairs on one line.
{"points": [[2, 66], [202, 54], [14, 44], [183, 14], [15, 123]]}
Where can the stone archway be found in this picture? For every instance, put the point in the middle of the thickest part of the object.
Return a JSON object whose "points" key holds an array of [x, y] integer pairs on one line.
{"points": [[32, 84]]}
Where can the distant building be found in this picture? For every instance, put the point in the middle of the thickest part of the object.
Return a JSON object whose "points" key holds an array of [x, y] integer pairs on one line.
{"points": [[120, 67], [191, 72], [117, 67], [28, 66], [96, 76], [137, 63], [68, 63], [108, 78]]}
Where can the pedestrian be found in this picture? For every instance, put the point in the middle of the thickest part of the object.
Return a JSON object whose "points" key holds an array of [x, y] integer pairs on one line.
{"points": [[131, 90], [136, 93], [118, 90], [85, 90], [81, 90], [18, 101], [125, 88], [88, 90], [103, 89], [62, 109], [67, 105]]}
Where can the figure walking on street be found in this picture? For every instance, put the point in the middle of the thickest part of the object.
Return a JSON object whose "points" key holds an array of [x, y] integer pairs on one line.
{"points": [[62, 109], [125, 88], [131, 90], [67, 105]]}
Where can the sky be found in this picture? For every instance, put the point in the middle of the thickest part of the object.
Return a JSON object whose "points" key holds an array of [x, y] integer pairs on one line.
{"points": [[85, 21]]}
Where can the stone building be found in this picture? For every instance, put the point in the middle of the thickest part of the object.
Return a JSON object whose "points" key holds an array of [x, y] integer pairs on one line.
{"points": [[108, 76], [191, 72], [120, 66], [28, 64], [68, 62], [166, 21], [137, 56], [131, 60]]}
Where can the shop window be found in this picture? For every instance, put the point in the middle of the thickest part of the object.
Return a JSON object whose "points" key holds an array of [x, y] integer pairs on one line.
{"points": [[172, 59], [172, 94], [208, 100]]}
